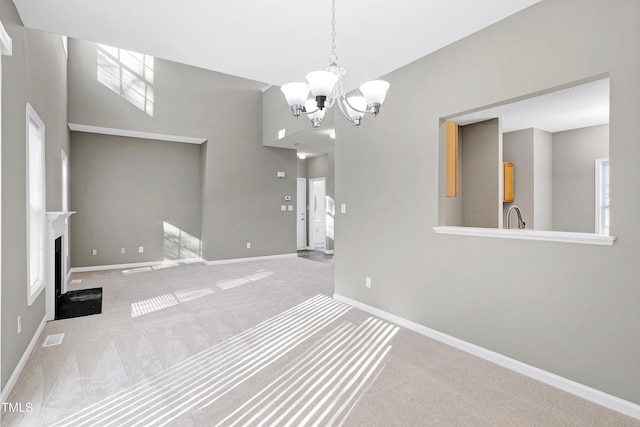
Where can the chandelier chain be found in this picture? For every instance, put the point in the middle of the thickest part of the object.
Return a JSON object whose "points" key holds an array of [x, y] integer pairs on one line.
{"points": [[333, 57]]}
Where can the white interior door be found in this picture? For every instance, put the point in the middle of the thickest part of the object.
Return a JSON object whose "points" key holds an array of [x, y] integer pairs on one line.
{"points": [[318, 213], [301, 215]]}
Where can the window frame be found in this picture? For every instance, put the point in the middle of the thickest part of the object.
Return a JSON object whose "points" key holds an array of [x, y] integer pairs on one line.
{"points": [[34, 289], [602, 203], [146, 76]]}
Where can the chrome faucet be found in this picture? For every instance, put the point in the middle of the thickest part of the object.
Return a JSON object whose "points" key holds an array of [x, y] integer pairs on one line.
{"points": [[521, 223]]}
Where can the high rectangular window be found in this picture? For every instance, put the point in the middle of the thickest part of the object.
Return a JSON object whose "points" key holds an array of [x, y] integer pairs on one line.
{"points": [[36, 205], [129, 74]]}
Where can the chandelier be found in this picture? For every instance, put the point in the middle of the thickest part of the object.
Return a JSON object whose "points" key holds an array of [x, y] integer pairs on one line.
{"points": [[326, 91]]}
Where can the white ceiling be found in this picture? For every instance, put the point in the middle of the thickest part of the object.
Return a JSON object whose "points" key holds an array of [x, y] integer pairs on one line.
{"points": [[280, 41], [272, 41], [571, 108]]}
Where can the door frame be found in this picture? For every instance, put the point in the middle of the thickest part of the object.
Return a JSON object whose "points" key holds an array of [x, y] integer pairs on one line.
{"points": [[65, 177], [302, 201], [310, 194]]}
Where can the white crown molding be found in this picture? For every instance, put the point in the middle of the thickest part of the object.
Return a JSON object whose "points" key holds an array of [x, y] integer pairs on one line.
{"points": [[596, 396], [135, 134]]}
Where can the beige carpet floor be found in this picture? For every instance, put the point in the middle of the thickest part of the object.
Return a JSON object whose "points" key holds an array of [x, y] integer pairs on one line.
{"points": [[263, 343]]}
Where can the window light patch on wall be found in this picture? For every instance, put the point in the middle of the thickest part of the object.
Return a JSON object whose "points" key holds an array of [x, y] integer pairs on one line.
{"points": [[129, 74]]}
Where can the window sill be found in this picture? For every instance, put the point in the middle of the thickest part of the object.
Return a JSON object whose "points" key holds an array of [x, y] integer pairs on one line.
{"points": [[33, 296], [549, 236]]}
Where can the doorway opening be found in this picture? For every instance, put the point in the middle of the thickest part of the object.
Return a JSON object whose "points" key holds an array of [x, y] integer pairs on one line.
{"points": [[317, 214], [301, 215]]}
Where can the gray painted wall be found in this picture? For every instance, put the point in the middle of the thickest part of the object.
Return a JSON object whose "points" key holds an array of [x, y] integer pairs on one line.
{"points": [[543, 179], [518, 148], [241, 195], [574, 154], [318, 167], [480, 168], [35, 73], [530, 150], [134, 192], [302, 168], [565, 308]]}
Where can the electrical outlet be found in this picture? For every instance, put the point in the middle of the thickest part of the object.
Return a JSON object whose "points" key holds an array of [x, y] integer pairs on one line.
{"points": [[19, 323], [367, 282], [248, 245], [94, 252], [140, 249], [122, 251], [343, 208]]}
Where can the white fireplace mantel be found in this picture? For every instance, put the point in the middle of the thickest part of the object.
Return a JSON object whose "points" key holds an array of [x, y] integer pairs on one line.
{"points": [[57, 227], [57, 222]]}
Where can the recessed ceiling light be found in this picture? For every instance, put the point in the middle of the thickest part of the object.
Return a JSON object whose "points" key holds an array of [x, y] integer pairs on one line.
{"points": [[302, 156]]}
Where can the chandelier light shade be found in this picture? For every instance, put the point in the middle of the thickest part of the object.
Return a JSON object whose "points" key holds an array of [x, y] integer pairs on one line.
{"points": [[321, 83], [296, 93], [374, 93], [326, 90], [315, 114]]}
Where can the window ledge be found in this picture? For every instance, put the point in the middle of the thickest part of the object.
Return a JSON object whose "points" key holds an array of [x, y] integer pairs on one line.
{"points": [[526, 234]]}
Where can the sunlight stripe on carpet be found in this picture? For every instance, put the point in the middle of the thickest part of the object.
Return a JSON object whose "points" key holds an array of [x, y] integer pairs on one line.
{"points": [[324, 384], [207, 376]]}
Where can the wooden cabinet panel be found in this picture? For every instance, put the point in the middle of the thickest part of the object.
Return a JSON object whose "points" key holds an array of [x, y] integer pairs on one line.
{"points": [[508, 181]]}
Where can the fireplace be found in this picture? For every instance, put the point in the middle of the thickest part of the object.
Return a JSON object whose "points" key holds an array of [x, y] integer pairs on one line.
{"points": [[57, 232]]}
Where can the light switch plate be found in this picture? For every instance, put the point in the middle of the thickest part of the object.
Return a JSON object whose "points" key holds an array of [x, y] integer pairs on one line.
{"points": [[283, 208], [290, 207]]}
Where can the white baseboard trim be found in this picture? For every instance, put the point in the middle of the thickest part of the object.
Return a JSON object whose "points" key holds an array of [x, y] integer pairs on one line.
{"points": [[596, 396], [328, 251], [23, 361], [171, 262], [256, 258]]}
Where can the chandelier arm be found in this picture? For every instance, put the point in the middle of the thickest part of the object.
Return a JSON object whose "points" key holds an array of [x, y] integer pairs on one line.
{"points": [[345, 113], [330, 100], [304, 110], [346, 100]]}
